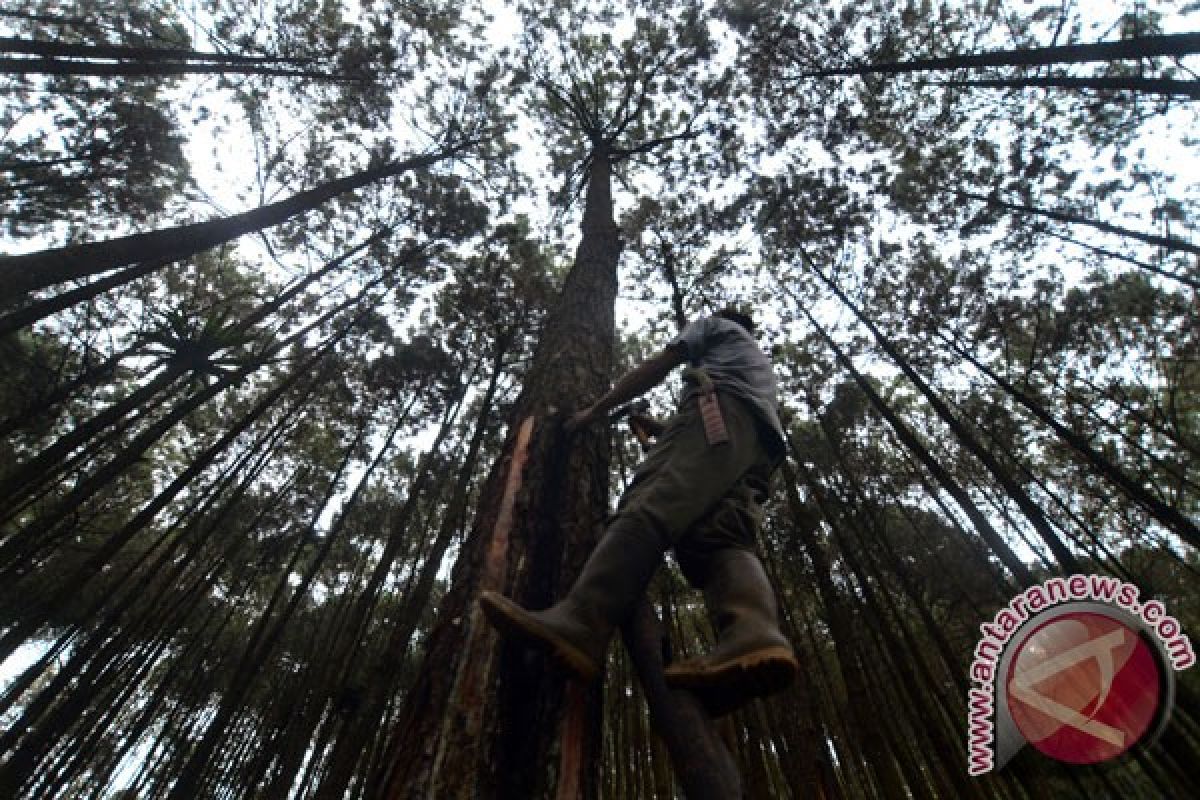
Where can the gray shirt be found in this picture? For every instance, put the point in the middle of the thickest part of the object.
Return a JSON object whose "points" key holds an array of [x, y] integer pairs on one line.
{"points": [[734, 362]]}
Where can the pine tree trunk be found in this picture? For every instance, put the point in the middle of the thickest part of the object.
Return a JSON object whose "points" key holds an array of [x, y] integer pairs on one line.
{"points": [[1139, 47], [58, 49], [1171, 517], [349, 749], [268, 628], [41, 309], [909, 438], [1159, 86], [703, 766], [841, 625], [1186, 281], [1166, 242], [484, 719], [800, 721], [26, 273], [53, 66], [1030, 509]]}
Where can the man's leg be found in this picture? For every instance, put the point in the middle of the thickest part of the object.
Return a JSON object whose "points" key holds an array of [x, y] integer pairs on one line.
{"points": [[577, 629], [682, 479], [751, 657]]}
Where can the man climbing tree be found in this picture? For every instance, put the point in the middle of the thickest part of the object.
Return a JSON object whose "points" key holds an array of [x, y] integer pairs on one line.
{"points": [[699, 491]]}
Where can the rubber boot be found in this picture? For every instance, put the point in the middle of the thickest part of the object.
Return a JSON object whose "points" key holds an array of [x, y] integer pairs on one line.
{"points": [[751, 658], [576, 631]]}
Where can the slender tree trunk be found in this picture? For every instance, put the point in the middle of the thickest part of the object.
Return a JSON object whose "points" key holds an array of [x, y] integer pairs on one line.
{"points": [[909, 438], [39, 406], [804, 763], [26, 273], [1141, 47], [859, 557], [1171, 517], [268, 629], [27, 544], [362, 722], [41, 309], [1159, 86], [879, 762], [138, 400], [58, 49], [704, 767], [106, 628], [92, 566], [53, 66], [1031, 510], [1166, 242], [22, 318], [24, 479], [1186, 281]]}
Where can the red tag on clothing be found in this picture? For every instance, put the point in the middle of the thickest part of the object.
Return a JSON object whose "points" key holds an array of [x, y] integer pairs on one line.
{"points": [[714, 423]]}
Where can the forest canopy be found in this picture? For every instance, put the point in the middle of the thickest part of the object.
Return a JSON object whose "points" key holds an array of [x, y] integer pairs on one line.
{"points": [[295, 296]]}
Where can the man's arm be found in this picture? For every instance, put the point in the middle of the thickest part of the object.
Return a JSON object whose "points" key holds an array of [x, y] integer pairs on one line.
{"points": [[636, 382]]}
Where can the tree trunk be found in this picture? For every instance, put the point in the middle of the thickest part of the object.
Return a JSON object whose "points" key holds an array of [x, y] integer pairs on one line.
{"points": [[268, 628], [1142, 47], [41, 309], [38, 406], [909, 438], [1100, 251], [879, 762], [703, 765], [53, 66], [53, 49], [26, 273], [1162, 86], [361, 722], [485, 717], [1171, 517], [92, 566], [1031, 510], [1167, 242]]}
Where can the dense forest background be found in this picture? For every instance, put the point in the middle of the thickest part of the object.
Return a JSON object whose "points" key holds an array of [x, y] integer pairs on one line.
{"points": [[297, 294]]}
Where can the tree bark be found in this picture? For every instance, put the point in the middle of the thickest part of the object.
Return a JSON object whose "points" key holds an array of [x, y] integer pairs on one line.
{"points": [[1169, 516], [484, 718], [25, 273], [909, 438], [1160, 86], [1167, 242], [1141, 47]]}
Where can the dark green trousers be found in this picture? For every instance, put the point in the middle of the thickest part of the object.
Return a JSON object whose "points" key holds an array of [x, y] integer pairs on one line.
{"points": [[700, 497]]}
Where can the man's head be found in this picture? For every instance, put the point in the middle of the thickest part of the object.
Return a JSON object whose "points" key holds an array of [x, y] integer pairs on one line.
{"points": [[740, 317]]}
